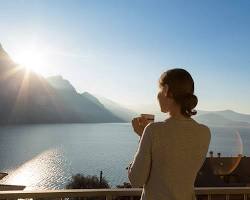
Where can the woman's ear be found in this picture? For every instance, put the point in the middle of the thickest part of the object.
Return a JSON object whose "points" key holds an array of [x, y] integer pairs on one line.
{"points": [[165, 90]]}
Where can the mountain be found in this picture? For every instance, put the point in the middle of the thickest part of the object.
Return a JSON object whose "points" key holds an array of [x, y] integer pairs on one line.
{"points": [[92, 98], [223, 118], [229, 114], [65, 87], [59, 83], [234, 115], [88, 109], [213, 119], [112, 107], [27, 97], [119, 110]]}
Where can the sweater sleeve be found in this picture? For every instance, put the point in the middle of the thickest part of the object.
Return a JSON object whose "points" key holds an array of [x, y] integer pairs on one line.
{"points": [[139, 169]]}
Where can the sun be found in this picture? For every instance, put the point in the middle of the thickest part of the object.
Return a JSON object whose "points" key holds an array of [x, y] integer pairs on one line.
{"points": [[31, 59]]}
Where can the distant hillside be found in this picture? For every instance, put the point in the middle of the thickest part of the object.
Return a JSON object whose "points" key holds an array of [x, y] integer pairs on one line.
{"points": [[29, 98], [88, 109], [234, 115], [92, 98], [229, 114], [59, 83], [212, 119], [119, 110]]}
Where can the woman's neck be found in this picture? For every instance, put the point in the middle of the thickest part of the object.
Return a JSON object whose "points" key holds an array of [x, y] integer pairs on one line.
{"points": [[175, 112], [177, 115]]}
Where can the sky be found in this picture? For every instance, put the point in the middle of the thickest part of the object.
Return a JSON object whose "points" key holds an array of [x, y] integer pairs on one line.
{"points": [[119, 48]]}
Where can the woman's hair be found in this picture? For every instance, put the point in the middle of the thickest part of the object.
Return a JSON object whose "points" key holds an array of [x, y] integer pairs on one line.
{"points": [[181, 89]]}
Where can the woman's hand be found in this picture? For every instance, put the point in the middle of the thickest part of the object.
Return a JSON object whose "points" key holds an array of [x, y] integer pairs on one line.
{"points": [[139, 123]]}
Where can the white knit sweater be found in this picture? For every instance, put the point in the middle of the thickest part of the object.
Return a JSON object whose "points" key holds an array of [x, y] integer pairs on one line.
{"points": [[169, 155]]}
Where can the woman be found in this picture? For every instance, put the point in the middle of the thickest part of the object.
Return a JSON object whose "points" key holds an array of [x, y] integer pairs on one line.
{"points": [[171, 152]]}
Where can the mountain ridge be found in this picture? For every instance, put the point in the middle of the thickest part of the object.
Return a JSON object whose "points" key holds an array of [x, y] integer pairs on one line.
{"points": [[213, 119], [55, 100], [27, 97]]}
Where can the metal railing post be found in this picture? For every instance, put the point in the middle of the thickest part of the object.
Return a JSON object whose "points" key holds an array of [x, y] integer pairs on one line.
{"points": [[108, 197]]}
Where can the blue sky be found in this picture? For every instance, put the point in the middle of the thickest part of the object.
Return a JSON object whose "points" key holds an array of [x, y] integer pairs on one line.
{"points": [[119, 48]]}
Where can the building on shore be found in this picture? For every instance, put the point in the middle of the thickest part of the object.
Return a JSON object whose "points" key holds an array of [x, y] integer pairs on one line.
{"points": [[218, 171]]}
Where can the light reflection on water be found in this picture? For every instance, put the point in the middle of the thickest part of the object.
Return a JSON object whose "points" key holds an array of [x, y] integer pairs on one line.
{"points": [[55, 152], [45, 156], [41, 171]]}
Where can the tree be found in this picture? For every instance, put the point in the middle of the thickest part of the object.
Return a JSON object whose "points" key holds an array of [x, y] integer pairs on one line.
{"points": [[79, 181]]}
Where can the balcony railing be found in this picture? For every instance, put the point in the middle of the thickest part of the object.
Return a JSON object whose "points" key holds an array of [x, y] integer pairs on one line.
{"points": [[233, 193]]}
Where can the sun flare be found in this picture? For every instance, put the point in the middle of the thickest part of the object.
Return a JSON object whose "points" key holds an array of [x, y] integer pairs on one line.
{"points": [[30, 59]]}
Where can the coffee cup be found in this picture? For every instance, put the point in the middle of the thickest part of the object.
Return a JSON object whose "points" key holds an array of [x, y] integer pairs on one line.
{"points": [[149, 117]]}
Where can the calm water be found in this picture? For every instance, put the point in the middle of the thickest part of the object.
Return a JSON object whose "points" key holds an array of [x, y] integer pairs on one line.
{"points": [[46, 156]]}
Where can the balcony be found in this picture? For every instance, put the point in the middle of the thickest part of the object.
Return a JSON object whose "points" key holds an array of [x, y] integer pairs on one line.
{"points": [[219, 193]]}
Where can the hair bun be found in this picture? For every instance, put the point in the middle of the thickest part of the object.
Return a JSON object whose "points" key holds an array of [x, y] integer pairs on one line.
{"points": [[187, 102], [190, 101]]}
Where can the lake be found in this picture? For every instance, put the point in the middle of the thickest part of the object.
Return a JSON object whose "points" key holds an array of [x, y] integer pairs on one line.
{"points": [[46, 156]]}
